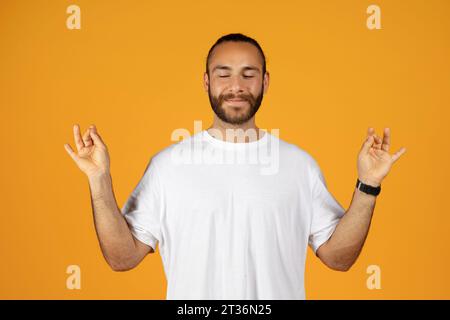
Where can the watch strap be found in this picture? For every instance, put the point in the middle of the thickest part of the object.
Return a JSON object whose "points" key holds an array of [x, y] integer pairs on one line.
{"points": [[367, 188]]}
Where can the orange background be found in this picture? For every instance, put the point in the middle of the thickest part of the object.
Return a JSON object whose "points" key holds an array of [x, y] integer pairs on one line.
{"points": [[135, 70]]}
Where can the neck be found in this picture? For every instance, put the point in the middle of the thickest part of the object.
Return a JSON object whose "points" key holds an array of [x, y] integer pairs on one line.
{"points": [[246, 132]]}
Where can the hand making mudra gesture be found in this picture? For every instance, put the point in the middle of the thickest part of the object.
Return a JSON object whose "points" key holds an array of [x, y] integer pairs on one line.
{"points": [[374, 159], [92, 157]]}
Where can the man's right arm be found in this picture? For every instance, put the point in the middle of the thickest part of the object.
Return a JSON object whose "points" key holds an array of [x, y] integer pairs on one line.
{"points": [[120, 249]]}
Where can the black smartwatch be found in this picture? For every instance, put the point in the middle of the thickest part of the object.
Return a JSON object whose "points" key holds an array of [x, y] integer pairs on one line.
{"points": [[367, 189]]}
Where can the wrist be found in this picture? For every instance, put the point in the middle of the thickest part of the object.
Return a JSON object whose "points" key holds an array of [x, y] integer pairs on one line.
{"points": [[99, 176], [100, 184], [370, 182], [368, 187]]}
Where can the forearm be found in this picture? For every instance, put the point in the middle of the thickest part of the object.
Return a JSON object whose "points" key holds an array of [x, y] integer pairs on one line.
{"points": [[345, 245], [116, 241]]}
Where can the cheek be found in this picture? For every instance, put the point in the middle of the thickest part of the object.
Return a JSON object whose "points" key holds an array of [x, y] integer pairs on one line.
{"points": [[256, 88], [216, 88]]}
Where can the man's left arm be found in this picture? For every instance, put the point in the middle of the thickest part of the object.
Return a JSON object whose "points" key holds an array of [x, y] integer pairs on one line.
{"points": [[374, 163]]}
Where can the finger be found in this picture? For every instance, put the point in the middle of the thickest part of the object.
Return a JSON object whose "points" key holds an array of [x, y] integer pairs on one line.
{"points": [[96, 138], [397, 155], [76, 134], [70, 151], [378, 142], [367, 144], [370, 131], [386, 139], [87, 138]]}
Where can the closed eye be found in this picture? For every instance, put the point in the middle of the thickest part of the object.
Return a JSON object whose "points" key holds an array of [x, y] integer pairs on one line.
{"points": [[243, 76]]}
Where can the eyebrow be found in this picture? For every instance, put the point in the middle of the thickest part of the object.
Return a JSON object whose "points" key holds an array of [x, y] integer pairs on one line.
{"points": [[223, 67]]}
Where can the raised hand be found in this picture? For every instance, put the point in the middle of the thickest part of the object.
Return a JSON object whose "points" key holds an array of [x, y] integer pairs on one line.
{"points": [[92, 157], [374, 160]]}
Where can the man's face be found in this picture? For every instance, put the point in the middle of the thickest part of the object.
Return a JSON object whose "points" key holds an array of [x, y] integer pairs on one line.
{"points": [[235, 83]]}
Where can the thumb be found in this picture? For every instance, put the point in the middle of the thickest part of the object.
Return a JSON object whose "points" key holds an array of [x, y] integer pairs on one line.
{"points": [[367, 144]]}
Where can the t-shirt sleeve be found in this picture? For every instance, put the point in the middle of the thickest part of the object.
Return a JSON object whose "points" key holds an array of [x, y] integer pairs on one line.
{"points": [[326, 211], [142, 209]]}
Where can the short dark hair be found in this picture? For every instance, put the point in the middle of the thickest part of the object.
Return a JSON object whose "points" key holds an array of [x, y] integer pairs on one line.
{"points": [[237, 37]]}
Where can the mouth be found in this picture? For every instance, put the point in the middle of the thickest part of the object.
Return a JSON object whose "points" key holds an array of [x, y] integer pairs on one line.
{"points": [[236, 102]]}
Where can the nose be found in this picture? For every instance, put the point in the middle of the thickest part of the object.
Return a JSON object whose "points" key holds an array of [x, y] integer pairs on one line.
{"points": [[235, 85]]}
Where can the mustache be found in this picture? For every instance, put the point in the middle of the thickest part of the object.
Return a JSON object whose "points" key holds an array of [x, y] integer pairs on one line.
{"points": [[247, 97]]}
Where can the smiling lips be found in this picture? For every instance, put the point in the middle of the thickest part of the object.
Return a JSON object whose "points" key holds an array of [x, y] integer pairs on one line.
{"points": [[236, 102]]}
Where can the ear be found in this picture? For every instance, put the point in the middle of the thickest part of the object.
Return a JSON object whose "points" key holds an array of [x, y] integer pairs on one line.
{"points": [[205, 81], [266, 81]]}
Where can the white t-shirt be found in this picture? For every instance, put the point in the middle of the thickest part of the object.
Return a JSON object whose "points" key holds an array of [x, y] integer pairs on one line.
{"points": [[230, 227]]}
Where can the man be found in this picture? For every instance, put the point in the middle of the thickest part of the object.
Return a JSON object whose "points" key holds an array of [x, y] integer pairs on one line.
{"points": [[226, 229]]}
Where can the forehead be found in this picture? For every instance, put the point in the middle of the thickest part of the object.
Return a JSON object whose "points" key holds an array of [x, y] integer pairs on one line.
{"points": [[235, 54]]}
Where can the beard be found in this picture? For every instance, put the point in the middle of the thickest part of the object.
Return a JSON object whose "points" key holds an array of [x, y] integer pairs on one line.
{"points": [[229, 114]]}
